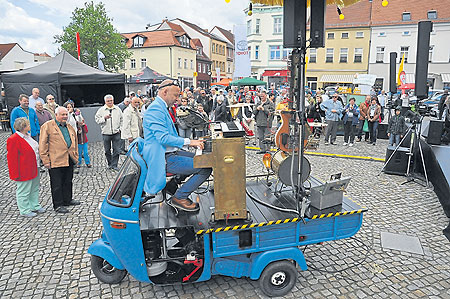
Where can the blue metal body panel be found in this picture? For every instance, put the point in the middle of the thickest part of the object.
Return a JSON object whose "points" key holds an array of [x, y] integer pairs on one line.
{"points": [[127, 243], [226, 243], [102, 249]]}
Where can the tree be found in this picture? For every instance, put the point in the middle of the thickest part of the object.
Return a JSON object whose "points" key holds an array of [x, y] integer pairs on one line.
{"points": [[96, 33]]}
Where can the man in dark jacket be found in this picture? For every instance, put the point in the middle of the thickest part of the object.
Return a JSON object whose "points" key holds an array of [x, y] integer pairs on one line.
{"points": [[263, 117], [396, 127]]}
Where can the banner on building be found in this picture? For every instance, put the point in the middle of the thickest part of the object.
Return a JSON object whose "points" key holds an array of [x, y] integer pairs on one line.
{"points": [[241, 52], [218, 74]]}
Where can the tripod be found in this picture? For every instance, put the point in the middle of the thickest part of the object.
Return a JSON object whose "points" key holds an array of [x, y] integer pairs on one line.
{"points": [[415, 141]]}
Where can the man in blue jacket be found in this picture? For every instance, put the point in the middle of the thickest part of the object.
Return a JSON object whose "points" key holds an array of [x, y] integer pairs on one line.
{"points": [[23, 110], [333, 112], [163, 153]]}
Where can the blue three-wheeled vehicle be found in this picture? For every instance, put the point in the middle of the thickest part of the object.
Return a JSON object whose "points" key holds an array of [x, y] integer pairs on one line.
{"points": [[144, 237]]}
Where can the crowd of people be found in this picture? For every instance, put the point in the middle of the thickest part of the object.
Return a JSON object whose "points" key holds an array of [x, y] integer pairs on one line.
{"points": [[57, 135]]}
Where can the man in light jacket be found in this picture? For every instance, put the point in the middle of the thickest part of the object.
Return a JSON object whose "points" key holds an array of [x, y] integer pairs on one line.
{"points": [[132, 121], [109, 117], [58, 149], [333, 112]]}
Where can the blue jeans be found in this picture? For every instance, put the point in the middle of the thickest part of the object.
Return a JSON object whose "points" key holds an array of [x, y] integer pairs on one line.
{"points": [[373, 126], [182, 162], [185, 133], [83, 153], [391, 139]]}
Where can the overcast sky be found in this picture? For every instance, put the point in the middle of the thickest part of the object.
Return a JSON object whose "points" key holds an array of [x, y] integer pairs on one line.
{"points": [[33, 23]]}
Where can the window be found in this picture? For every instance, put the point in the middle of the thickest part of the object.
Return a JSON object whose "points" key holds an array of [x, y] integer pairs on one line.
{"points": [[432, 14], [329, 55], [359, 34], [256, 52], [381, 34], [179, 63], [286, 53], [123, 190], [358, 55], [312, 55], [249, 48], [330, 35], [257, 24], [406, 33], [275, 52], [249, 27], [214, 48], [430, 54], [192, 64], [185, 64], [143, 62], [277, 25], [344, 35], [343, 55], [138, 41], [380, 55], [199, 67], [404, 51], [406, 16], [132, 64], [204, 68]]}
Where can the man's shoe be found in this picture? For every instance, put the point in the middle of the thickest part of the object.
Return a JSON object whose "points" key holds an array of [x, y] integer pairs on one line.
{"points": [[261, 152], [358, 140], [185, 204], [73, 203], [345, 143], [62, 210], [326, 143], [332, 143], [351, 144], [115, 168], [40, 211], [89, 165], [29, 215], [75, 170]]}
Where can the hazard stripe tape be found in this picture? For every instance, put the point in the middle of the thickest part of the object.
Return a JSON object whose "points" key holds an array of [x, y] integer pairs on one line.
{"points": [[331, 155], [273, 222]]}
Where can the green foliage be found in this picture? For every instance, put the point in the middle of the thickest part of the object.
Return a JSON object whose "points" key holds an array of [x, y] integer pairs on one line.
{"points": [[96, 33]]}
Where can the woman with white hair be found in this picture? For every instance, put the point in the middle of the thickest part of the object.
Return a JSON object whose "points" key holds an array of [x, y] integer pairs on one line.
{"points": [[23, 160]]}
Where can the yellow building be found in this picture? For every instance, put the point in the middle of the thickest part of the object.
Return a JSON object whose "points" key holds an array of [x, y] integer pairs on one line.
{"points": [[346, 50], [164, 50], [218, 57]]}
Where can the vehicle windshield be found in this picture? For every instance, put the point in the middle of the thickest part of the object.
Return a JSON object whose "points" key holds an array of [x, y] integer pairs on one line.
{"points": [[124, 187]]}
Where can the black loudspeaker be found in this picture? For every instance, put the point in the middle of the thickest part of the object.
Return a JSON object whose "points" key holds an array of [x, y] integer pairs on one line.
{"points": [[407, 140], [435, 131], [382, 131], [423, 50], [393, 72], [317, 28], [294, 23], [398, 164]]}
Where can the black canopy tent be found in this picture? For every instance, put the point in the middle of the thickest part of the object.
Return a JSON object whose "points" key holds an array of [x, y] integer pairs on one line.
{"points": [[65, 77], [147, 75]]}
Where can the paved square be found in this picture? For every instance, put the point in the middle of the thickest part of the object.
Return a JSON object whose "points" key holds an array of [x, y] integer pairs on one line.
{"points": [[401, 242]]}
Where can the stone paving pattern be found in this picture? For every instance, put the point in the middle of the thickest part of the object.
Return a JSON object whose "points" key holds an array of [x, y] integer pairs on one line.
{"points": [[46, 256]]}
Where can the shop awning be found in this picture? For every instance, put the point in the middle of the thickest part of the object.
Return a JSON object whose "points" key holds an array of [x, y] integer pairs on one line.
{"points": [[337, 78], [445, 78], [275, 73]]}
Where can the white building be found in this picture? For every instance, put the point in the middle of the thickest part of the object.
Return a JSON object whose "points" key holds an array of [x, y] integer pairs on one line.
{"points": [[13, 57], [403, 40], [265, 42]]}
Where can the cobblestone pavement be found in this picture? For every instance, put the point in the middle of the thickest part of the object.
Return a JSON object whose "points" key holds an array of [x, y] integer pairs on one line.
{"points": [[46, 257]]}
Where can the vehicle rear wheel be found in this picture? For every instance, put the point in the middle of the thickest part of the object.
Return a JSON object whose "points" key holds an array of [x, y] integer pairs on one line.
{"points": [[278, 278], [105, 272]]}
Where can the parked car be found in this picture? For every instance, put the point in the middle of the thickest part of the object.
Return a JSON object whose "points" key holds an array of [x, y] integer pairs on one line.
{"points": [[430, 106]]}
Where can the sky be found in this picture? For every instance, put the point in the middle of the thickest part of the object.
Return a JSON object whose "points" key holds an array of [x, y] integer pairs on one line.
{"points": [[34, 23]]}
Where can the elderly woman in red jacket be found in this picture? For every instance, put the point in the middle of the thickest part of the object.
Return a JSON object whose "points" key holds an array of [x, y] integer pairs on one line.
{"points": [[23, 159]]}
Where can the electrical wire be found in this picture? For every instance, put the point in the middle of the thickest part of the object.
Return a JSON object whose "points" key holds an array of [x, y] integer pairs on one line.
{"points": [[269, 205]]}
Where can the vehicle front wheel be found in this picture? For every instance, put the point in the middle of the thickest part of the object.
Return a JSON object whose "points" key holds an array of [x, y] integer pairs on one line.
{"points": [[278, 278], [105, 272]]}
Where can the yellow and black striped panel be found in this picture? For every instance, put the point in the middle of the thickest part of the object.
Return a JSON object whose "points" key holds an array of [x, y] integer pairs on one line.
{"points": [[275, 222]]}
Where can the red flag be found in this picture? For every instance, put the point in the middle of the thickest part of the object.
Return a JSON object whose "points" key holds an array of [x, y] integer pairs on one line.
{"points": [[78, 45]]}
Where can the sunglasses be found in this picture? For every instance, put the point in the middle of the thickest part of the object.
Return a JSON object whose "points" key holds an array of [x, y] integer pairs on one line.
{"points": [[173, 83], [51, 99]]}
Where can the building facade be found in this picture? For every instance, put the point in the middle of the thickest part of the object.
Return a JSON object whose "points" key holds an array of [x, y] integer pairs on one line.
{"points": [[213, 45], [229, 38], [13, 57], [395, 30], [164, 50], [203, 65]]}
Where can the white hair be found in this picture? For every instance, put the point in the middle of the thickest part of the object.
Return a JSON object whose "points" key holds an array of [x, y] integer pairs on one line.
{"points": [[108, 96], [60, 109]]}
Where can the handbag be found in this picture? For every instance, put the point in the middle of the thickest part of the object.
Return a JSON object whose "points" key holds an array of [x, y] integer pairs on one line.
{"points": [[366, 126]]}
